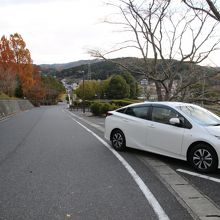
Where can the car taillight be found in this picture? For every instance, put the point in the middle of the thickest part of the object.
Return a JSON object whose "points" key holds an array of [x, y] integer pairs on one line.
{"points": [[108, 114]]}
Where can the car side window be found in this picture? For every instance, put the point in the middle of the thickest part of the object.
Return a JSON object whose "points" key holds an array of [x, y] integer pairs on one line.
{"points": [[163, 115], [122, 110], [129, 111], [138, 111]]}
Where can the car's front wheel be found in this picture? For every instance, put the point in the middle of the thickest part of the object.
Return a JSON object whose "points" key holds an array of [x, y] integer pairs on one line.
{"points": [[118, 140], [203, 158]]}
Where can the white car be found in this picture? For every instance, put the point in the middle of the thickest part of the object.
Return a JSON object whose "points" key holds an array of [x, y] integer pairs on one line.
{"points": [[180, 130]]}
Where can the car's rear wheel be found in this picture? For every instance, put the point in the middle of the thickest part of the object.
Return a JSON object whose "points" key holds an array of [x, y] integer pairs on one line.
{"points": [[203, 158], [118, 140]]}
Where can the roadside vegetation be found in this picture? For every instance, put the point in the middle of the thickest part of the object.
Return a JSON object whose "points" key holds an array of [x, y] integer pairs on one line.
{"points": [[20, 78], [101, 96], [3, 96], [117, 86], [122, 89]]}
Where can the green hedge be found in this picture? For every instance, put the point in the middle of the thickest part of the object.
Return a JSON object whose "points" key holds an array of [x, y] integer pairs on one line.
{"points": [[80, 104], [101, 108], [123, 102]]}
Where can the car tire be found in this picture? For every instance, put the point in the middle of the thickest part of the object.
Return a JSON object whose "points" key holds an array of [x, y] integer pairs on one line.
{"points": [[203, 158], [118, 140]]}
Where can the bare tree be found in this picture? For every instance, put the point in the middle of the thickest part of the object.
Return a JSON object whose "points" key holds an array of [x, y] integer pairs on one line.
{"points": [[170, 41], [207, 6]]}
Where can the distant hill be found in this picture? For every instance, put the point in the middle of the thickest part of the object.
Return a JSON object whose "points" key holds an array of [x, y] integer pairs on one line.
{"points": [[99, 70], [61, 66], [102, 69]]}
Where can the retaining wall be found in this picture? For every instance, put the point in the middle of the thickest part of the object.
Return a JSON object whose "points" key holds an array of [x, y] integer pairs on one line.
{"points": [[8, 107]]}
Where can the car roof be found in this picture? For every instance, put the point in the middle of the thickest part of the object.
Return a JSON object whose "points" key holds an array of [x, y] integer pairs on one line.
{"points": [[171, 104]]}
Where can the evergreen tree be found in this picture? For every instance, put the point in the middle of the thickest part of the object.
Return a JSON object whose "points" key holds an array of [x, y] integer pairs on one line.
{"points": [[118, 88], [130, 80]]}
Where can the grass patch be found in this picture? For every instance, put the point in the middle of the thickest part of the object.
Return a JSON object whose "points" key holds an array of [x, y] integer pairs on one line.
{"points": [[3, 96]]}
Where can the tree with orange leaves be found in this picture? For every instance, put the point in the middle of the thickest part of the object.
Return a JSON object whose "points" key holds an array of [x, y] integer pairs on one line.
{"points": [[18, 75], [37, 92], [24, 63], [7, 67]]}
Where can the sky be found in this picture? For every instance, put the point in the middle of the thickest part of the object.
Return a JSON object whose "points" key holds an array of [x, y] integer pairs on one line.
{"points": [[57, 31], [61, 31]]}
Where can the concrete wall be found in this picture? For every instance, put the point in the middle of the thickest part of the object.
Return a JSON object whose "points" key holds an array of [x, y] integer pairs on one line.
{"points": [[8, 107]]}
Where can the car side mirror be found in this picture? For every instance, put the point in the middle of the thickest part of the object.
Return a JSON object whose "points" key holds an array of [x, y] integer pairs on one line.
{"points": [[175, 121]]}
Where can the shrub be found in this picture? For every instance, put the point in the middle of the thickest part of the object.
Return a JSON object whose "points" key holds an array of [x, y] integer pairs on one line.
{"points": [[96, 108], [87, 103], [113, 107], [79, 104], [105, 107], [122, 102], [99, 108]]}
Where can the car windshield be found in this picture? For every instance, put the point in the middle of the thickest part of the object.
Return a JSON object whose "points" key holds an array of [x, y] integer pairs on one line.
{"points": [[200, 115]]}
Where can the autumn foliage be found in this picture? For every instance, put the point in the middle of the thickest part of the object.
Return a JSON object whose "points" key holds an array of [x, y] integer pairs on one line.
{"points": [[18, 76], [16, 66], [7, 67]]}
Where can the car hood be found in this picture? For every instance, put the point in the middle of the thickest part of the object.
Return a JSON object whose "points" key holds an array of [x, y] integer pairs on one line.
{"points": [[214, 130]]}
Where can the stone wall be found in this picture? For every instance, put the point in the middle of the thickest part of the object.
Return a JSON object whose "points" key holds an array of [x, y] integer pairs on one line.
{"points": [[8, 107]]}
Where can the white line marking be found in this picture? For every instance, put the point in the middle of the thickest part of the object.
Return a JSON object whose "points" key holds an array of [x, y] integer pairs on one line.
{"points": [[88, 122], [199, 175], [145, 190]]}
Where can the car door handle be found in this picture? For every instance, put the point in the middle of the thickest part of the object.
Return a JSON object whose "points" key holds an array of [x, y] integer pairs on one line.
{"points": [[151, 126]]}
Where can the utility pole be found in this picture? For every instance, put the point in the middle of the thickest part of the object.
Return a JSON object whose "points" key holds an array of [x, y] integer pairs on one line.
{"points": [[89, 72], [83, 101], [99, 83]]}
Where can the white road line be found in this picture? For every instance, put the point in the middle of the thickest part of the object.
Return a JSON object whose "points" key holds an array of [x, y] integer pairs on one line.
{"points": [[199, 175], [145, 190], [100, 128]]}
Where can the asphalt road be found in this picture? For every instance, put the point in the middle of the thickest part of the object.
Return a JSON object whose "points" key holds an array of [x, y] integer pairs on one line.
{"points": [[52, 168]]}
